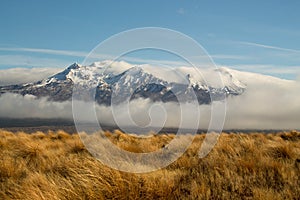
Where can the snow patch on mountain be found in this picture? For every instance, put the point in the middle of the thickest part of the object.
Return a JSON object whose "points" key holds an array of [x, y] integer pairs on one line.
{"points": [[122, 80]]}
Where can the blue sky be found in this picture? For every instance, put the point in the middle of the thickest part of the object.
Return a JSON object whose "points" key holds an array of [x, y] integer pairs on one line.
{"points": [[257, 36]]}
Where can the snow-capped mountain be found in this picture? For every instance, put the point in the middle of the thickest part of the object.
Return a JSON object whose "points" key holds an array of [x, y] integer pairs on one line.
{"points": [[113, 82]]}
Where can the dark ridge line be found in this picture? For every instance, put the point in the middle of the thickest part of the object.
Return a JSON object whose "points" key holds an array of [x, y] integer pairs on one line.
{"points": [[38, 124]]}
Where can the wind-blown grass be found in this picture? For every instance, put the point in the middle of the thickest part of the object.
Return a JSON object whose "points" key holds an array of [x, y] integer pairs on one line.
{"points": [[56, 165]]}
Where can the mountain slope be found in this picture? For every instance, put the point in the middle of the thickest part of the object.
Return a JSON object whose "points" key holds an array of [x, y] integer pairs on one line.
{"points": [[119, 81]]}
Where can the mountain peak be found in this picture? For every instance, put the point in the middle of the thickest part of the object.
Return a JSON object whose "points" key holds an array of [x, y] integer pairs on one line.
{"points": [[135, 70], [74, 66], [145, 81], [63, 75]]}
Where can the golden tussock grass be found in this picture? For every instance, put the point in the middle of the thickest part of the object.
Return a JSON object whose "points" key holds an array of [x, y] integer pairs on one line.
{"points": [[56, 165]]}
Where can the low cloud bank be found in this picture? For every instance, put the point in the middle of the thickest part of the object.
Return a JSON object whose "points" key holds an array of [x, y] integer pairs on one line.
{"points": [[266, 106], [28, 106], [267, 103], [25, 75], [262, 106]]}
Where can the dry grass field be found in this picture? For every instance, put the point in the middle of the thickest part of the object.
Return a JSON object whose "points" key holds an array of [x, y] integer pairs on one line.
{"points": [[56, 165]]}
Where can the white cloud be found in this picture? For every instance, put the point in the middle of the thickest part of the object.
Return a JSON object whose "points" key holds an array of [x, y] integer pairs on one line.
{"points": [[269, 104], [33, 61], [269, 47], [170, 63], [281, 71], [268, 69], [17, 106], [25, 75], [265, 106]]}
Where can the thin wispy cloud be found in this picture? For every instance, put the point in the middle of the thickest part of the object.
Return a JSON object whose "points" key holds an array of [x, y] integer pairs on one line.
{"points": [[230, 57], [80, 54], [224, 57], [83, 54], [23, 60], [47, 51], [28, 60], [31, 61], [269, 47], [37, 61]]}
